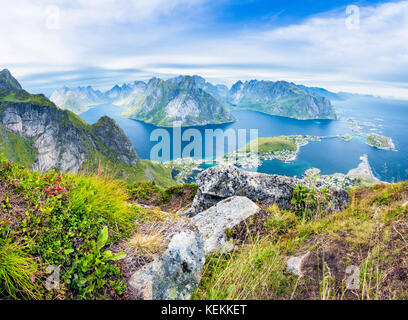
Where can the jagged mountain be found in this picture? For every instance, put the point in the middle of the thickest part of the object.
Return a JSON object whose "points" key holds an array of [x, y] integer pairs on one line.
{"points": [[178, 100], [191, 100], [78, 99], [182, 100], [33, 128], [218, 91], [322, 92], [280, 98], [7, 81]]}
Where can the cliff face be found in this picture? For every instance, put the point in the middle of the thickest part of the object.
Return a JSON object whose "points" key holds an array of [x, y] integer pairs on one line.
{"points": [[63, 140], [115, 140], [180, 101], [280, 98]]}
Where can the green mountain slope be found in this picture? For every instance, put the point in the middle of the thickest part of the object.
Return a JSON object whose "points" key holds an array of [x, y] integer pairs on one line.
{"points": [[37, 134], [280, 98]]}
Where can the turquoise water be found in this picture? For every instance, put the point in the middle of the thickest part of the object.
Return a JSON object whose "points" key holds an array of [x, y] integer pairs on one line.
{"points": [[329, 155]]}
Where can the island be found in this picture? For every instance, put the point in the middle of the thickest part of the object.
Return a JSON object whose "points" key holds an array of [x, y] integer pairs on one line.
{"points": [[378, 141]]}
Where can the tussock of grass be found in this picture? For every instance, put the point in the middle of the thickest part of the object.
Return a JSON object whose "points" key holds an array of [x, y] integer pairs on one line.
{"points": [[17, 269], [101, 196], [147, 241], [252, 272]]}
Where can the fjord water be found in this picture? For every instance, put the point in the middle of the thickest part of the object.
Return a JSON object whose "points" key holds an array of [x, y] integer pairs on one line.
{"points": [[330, 155]]}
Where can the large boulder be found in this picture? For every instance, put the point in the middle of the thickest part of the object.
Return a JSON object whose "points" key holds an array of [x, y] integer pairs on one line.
{"points": [[218, 183], [175, 273], [226, 214]]}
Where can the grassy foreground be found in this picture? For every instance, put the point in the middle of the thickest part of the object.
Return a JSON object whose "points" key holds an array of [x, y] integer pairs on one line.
{"points": [[61, 235], [69, 229], [371, 235]]}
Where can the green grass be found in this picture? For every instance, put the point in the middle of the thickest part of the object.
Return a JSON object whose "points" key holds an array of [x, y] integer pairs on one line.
{"points": [[70, 222], [366, 229], [272, 144], [17, 270], [17, 148]]}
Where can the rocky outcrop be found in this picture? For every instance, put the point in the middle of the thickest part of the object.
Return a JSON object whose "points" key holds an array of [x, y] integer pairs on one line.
{"points": [[57, 142], [218, 183], [226, 214], [7, 81], [175, 274], [294, 264], [114, 138], [62, 144], [63, 140]]}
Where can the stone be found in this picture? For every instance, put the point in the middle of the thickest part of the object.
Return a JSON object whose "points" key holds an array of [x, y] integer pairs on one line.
{"points": [[295, 263], [218, 183], [226, 214], [174, 274]]}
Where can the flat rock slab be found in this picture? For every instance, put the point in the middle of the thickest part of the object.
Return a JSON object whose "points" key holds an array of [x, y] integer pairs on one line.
{"points": [[226, 214], [175, 274]]}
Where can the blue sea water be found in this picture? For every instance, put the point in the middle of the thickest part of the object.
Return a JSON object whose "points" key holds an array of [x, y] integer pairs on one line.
{"points": [[330, 155]]}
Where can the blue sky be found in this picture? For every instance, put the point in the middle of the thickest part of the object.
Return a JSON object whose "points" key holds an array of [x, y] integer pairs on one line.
{"points": [[49, 44]]}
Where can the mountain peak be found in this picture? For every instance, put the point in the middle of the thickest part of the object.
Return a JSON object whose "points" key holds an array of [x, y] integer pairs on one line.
{"points": [[8, 82]]}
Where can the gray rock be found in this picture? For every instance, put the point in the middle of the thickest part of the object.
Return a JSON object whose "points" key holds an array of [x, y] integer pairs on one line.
{"points": [[226, 214], [224, 181], [294, 264], [114, 138], [62, 144], [175, 274]]}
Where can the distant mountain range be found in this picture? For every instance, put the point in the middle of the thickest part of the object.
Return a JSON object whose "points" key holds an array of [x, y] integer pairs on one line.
{"points": [[280, 98], [36, 133], [191, 100]]}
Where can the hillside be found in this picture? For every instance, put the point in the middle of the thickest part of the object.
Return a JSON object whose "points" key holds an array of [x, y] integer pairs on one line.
{"points": [[177, 101], [36, 133], [280, 98], [105, 237]]}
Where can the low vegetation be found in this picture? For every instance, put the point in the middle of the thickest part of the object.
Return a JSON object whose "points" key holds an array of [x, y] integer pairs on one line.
{"points": [[272, 144], [378, 141], [371, 236], [167, 199], [61, 232], [65, 236]]}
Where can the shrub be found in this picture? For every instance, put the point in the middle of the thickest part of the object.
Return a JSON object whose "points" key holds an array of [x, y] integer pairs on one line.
{"points": [[308, 202]]}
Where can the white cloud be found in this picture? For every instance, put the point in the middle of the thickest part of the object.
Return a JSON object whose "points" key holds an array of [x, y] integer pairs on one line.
{"points": [[164, 37]]}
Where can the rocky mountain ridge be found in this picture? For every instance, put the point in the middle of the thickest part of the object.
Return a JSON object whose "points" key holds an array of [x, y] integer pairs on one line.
{"points": [[280, 98], [191, 100], [62, 140]]}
